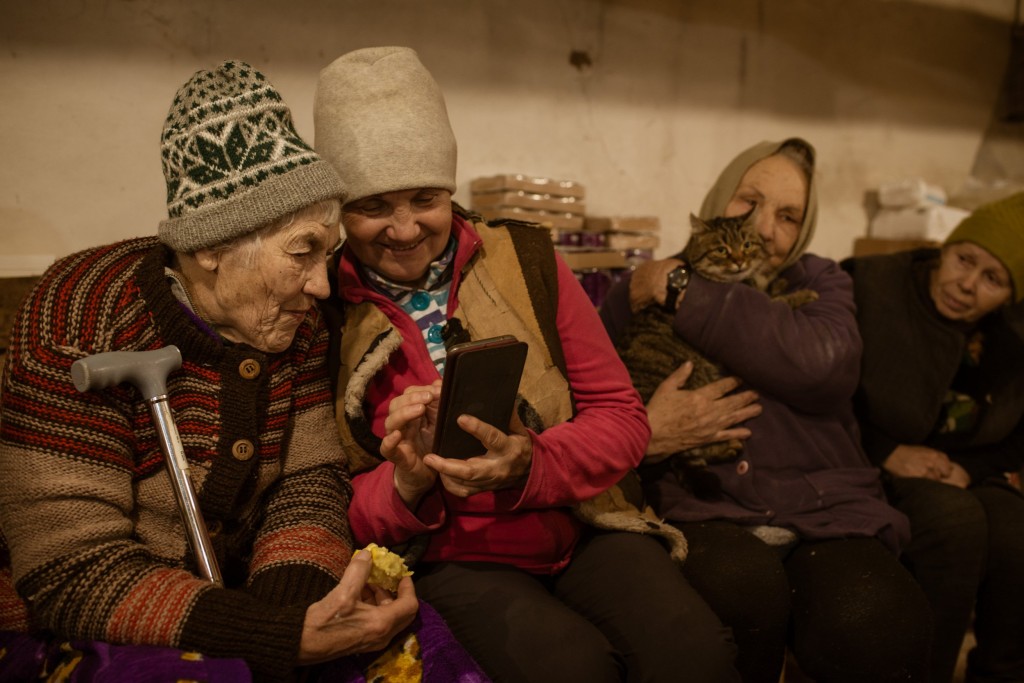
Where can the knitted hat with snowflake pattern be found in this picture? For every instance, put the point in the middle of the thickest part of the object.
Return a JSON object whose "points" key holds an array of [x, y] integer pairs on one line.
{"points": [[233, 161], [380, 118], [998, 228]]}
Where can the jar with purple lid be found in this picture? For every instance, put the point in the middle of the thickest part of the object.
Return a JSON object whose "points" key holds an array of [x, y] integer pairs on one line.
{"points": [[596, 282]]}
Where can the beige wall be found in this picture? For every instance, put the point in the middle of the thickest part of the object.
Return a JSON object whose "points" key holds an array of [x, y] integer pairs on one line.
{"points": [[884, 89]]}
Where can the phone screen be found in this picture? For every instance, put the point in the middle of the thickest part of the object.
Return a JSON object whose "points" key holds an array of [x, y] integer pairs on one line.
{"points": [[481, 378]]}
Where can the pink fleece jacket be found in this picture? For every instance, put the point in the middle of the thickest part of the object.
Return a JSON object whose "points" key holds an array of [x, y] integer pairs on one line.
{"points": [[531, 528]]}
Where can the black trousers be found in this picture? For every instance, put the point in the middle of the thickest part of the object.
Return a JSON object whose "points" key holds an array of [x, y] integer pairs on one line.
{"points": [[621, 611], [967, 552], [847, 608]]}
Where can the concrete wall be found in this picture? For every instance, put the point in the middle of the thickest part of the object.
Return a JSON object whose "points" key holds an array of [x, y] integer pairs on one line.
{"points": [[884, 89]]}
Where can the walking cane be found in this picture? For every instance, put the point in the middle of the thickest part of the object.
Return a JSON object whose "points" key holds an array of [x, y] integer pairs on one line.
{"points": [[148, 371]]}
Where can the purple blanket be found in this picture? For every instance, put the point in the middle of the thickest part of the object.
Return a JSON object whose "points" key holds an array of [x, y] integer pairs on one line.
{"points": [[427, 652]]}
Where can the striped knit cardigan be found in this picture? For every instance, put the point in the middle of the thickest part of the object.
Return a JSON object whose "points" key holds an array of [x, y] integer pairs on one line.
{"points": [[92, 543]]}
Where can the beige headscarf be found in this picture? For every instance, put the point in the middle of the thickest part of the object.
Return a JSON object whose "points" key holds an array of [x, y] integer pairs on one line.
{"points": [[721, 192]]}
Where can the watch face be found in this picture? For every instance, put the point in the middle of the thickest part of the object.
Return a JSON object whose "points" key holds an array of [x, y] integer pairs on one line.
{"points": [[679, 277]]}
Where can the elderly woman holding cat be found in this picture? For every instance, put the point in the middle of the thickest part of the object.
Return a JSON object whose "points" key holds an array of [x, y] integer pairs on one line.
{"points": [[941, 407], [798, 546]]}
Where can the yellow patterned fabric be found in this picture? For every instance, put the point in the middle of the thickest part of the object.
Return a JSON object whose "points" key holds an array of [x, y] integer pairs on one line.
{"points": [[400, 663]]}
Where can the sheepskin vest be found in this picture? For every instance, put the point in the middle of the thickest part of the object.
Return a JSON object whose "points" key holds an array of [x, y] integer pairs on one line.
{"points": [[512, 291]]}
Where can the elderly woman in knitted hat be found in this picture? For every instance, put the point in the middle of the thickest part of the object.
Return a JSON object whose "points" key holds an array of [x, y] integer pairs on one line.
{"points": [[941, 407], [531, 592], [799, 546], [94, 548]]}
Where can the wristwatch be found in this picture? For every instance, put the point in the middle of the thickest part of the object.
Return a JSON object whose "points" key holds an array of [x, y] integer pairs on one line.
{"points": [[678, 279]]}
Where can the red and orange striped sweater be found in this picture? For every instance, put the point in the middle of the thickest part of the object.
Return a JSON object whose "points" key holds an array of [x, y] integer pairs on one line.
{"points": [[91, 535]]}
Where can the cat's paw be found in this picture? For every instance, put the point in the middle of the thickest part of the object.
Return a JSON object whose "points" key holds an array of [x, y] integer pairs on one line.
{"points": [[777, 286], [719, 451], [799, 297]]}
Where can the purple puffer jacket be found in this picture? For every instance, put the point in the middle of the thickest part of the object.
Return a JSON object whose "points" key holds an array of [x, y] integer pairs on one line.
{"points": [[803, 467]]}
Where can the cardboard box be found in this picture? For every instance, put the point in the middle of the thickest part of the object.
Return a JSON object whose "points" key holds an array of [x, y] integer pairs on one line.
{"points": [[549, 219], [527, 200], [643, 224], [632, 240], [535, 184], [602, 258]]}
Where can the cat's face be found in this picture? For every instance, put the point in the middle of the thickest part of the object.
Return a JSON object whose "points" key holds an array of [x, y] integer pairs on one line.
{"points": [[726, 249]]}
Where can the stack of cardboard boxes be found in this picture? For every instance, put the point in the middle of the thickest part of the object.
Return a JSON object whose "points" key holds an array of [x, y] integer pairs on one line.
{"points": [[556, 204], [598, 248], [633, 237]]}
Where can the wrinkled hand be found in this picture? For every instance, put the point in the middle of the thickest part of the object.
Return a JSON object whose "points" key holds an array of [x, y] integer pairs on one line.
{"points": [[354, 617], [409, 434], [649, 283], [958, 477], [682, 419], [506, 464], [928, 463]]}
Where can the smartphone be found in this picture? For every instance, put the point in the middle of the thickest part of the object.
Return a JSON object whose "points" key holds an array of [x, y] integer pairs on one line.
{"points": [[481, 378]]}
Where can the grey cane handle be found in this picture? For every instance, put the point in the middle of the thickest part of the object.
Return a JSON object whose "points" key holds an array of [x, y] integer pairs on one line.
{"points": [[147, 370]]}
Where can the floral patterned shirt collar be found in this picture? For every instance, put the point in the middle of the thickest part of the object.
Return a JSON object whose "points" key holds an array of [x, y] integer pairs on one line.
{"points": [[426, 305]]}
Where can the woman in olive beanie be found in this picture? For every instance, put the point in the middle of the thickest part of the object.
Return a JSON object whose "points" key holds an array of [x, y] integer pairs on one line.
{"points": [[998, 228], [941, 406]]}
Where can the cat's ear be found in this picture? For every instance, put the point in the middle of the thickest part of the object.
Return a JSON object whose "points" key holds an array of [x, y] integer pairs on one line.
{"points": [[697, 225]]}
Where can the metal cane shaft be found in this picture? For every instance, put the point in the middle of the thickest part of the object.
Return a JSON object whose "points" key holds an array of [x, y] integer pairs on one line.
{"points": [[177, 467], [148, 371]]}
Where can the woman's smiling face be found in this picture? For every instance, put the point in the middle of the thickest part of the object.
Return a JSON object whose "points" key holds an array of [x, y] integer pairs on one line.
{"points": [[399, 234]]}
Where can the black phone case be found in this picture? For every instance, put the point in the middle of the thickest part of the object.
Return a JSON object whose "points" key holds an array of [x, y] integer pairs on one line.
{"points": [[481, 378]]}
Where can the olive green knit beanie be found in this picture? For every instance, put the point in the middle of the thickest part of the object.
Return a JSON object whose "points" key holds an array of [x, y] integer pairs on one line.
{"points": [[380, 118], [233, 161], [999, 229]]}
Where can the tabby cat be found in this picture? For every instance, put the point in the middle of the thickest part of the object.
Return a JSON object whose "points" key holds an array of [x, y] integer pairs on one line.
{"points": [[722, 250]]}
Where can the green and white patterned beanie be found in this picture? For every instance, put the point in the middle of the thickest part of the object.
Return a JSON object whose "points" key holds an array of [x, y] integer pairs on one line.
{"points": [[380, 118], [233, 161]]}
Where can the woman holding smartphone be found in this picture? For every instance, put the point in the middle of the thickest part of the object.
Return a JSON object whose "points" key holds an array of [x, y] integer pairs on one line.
{"points": [[534, 593]]}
